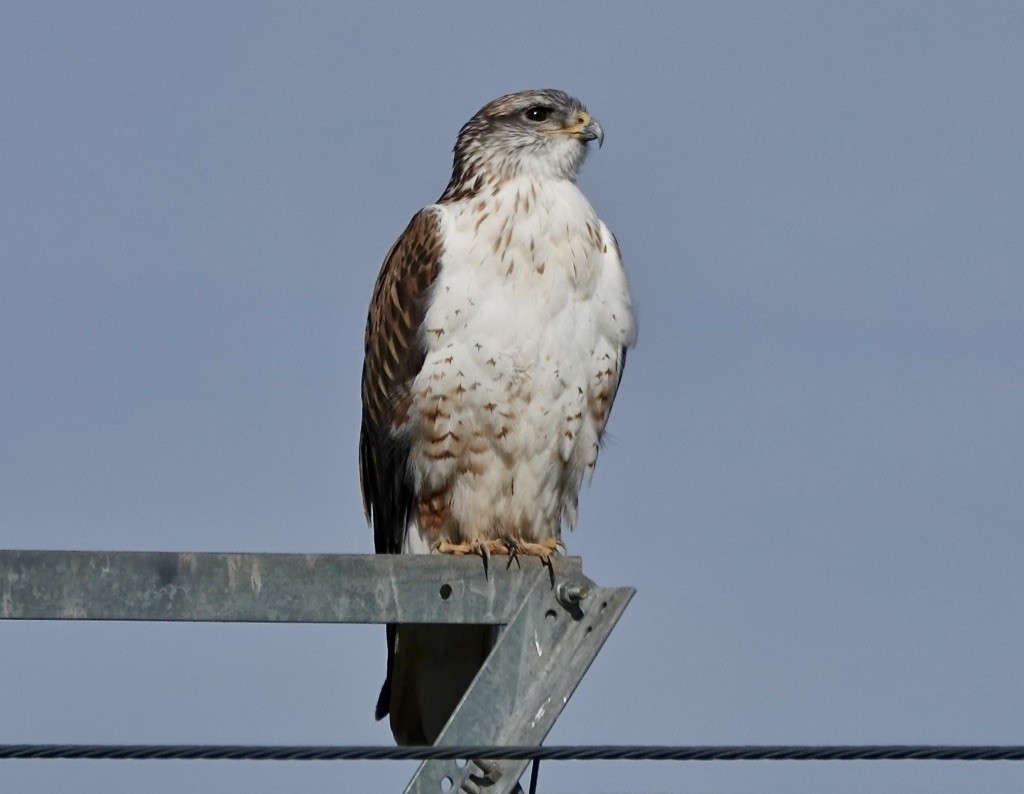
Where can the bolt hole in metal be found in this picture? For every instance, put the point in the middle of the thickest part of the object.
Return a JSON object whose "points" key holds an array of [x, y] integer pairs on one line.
{"points": [[446, 593], [460, 763], [604, 605], [551, 615], [446, 784]]}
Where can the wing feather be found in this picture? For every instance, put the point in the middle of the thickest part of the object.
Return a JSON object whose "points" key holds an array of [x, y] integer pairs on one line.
{"points": [[394, 354]]}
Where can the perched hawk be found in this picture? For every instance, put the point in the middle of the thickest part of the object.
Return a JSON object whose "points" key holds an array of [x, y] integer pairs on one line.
{"points": [[496, 338]]}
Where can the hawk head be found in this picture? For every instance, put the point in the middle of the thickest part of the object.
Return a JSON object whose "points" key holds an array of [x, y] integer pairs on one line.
{"points": [[541, 133]]}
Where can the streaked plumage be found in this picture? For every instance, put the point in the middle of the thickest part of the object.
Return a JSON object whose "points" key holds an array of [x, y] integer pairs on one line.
{"points": [[495, 342]]}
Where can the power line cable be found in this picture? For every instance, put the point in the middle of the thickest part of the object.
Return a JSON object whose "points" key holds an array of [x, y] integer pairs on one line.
{"points": [[214, 752]]}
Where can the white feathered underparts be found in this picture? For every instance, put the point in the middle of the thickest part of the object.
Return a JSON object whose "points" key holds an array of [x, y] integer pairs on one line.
{"points": [[524, 332]]}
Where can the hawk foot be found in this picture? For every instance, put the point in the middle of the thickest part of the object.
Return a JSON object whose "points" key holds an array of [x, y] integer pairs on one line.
{"points": [[544, 549], [512, 547], [481, 548]]}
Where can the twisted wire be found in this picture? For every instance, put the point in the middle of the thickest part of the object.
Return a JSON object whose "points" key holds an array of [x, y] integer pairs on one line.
{"points": [[518, 752]]}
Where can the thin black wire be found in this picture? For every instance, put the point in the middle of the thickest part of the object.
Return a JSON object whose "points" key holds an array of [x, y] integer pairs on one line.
{"points": [[517, 752], [534, 774]]}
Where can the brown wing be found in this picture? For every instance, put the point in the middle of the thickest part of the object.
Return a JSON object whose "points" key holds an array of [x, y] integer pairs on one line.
{"points": [[394, 355]]}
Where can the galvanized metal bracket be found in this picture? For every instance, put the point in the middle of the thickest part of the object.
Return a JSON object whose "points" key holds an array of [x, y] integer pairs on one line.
{"points": [[555, 619], [536, 665]]}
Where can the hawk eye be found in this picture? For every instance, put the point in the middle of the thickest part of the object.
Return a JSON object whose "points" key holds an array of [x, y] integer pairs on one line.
{"points": [[538, 113]]}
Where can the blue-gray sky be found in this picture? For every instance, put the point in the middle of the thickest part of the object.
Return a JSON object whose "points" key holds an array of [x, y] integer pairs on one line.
{"points": [[816, 475]]}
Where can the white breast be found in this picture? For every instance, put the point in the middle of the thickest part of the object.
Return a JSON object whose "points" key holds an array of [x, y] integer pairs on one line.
{"points": [[529, 304]]}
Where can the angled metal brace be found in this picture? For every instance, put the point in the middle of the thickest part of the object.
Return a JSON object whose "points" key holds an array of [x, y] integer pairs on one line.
{"points": [[527, 679]]}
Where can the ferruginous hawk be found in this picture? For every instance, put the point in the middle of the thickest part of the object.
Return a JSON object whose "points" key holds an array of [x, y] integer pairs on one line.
{"points": [[496, 338]]}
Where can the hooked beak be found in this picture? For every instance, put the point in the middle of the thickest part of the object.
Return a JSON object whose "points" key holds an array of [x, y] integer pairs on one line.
{"points": [[586, 129]]}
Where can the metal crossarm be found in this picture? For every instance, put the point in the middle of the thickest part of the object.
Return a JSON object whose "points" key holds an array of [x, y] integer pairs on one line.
{"points": [[555, 620], [263, 588]]}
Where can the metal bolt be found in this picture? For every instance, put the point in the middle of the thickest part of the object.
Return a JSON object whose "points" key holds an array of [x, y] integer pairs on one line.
{"points": [[572, 594]]}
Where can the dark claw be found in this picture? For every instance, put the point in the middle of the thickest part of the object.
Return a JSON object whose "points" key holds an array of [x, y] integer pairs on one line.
{"points": [[550, 562], [513, 552], [485, 555]]}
